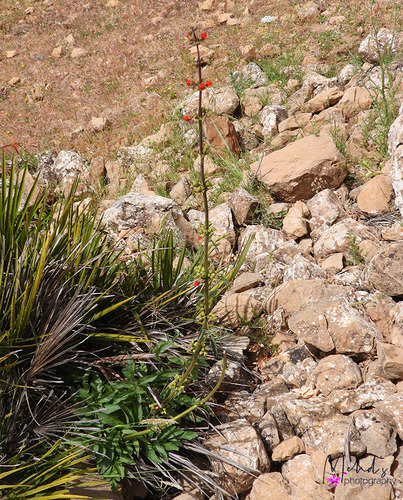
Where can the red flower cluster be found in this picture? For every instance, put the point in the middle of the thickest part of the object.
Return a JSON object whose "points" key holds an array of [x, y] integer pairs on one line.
{"points": [[203, 36], [202, 86], [188, 82], [196, 283], [186, 118]]}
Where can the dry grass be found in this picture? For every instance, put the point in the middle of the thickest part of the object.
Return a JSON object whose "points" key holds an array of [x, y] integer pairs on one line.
{"points": [[135, 66]]}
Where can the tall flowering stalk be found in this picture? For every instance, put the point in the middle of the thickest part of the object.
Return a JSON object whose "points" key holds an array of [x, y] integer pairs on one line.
{"points": [[198, 347]]}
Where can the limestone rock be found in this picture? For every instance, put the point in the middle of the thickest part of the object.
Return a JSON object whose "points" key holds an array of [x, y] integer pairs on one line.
{"points": [[354, 100], [268, 430], [294, 223], [299, 170], [308, 11], [243, 206], [77, 52], [300, 268], [335, 372], [181, 191], [376, 195], [270, 117], [264, 243], [287, 449], [334, 325], [395, 146], [298, 472], [334, 263], [391, 408], [386, 41], [246, 281], [225, 101], [221, 135], [364, 396], [206, 54], [270, 486], [385, 271], [294, 122], [325, 210], [235, 308], [323, 100], [341, 236], [235, 376], [253, 72], [136, 210], [391, 359], [64, 170], [238, 442]]}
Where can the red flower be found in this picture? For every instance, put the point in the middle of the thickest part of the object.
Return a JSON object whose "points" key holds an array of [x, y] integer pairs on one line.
{"points": [[203, 36], [202, 86], [199, 238], [188, 82], [188, 36], [196, 283], [209, 83], [184, 48], [186, 118]]}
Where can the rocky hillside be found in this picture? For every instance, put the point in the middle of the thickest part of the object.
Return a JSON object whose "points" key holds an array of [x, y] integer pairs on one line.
{"points": [[304, 155]]}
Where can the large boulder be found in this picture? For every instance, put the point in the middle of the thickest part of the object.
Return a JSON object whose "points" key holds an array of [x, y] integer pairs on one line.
{"points": [[302, 168]]}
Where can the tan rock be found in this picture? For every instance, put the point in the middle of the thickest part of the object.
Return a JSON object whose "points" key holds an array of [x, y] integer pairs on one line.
{"points": [[14, 81], [385, 41], [10, 54], [299, 472], [391, 359], [294, 122], [98, 123], [235, 308], [323, 100], [287, 449], [270, 486], [334, 263], [248, 52], [206, 54], [246, 281], [335, 372], [354, 100], [115, 174], [341, 237], [335, 325], [78, 52], [308, 11], [302, 168], [207, 5], [225, 101], [70, 40], [57, 52], [239, 443], [243, 206], [376, 195], [181, 191], [385, 271], [221, 135], [294, 223], [270, 50], [393, 233]]}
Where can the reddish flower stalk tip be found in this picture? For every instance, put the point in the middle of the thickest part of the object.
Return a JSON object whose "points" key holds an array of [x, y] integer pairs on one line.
{"points": [[203, 36], [186, 118], [188, 82], [202, 86], [209, 83], [196, 283]]}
